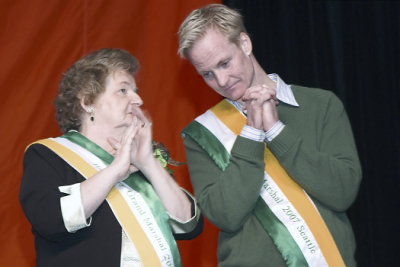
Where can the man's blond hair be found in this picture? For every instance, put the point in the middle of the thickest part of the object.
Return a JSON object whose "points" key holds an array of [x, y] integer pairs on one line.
{"points": [[214, 16]]}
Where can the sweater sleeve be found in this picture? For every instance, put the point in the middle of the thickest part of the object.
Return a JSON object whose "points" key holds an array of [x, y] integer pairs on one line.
{"points": [[40, 196], [329, 171], [227, 197]]}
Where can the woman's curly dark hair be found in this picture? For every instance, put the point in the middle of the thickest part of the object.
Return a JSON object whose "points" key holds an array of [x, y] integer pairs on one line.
{"points": [[86, 80]]}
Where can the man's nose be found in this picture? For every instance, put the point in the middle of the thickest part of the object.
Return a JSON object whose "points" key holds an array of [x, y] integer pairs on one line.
{"points": [[221, 78]]}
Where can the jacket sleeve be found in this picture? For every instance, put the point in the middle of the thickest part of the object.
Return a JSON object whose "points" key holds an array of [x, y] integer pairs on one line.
{"points": [[227, 197], [40, 196], [191, 228], [329, 171]]}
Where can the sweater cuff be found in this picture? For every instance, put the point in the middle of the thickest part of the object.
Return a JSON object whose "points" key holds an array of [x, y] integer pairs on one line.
{"points": [[283, 141], [247, 148]]}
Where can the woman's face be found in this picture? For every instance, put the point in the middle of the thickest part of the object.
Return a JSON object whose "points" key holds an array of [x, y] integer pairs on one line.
{"points": [[116, 106]]}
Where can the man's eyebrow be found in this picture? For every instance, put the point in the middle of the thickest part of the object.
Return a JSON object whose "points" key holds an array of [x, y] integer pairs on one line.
{"points": [[219, 63], [222, 61]]}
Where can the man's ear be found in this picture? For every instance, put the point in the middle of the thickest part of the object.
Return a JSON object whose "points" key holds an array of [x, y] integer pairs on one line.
{"points": [[245, 43]]}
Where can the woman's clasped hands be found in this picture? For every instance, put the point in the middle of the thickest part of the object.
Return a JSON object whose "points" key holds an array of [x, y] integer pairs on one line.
{"points": [[134, 150]]}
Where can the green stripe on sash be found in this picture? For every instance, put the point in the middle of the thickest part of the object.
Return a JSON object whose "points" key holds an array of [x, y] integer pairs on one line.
{"points": [[209, 143], [282, 238]]}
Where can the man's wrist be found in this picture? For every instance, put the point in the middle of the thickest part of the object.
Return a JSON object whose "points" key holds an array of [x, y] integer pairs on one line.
{"points": [[274, 131], [253, 133]]}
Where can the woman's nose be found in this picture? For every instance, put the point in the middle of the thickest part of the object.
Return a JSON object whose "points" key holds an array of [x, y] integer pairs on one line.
{"points": [[136, 99]]}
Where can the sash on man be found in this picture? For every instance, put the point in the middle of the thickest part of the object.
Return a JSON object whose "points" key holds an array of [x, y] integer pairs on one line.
{"points": [[284, 209]]}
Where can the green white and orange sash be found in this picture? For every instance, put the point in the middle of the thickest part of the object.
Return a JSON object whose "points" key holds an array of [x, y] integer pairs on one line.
{"points": [[284, 209], [133, 201]]}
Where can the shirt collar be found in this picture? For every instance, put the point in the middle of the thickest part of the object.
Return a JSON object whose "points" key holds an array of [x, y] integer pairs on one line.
{"points": [[284, 92]]}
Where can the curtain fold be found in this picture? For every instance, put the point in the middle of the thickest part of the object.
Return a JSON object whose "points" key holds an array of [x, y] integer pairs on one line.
{"points": [[350, 48], [39, 40]]}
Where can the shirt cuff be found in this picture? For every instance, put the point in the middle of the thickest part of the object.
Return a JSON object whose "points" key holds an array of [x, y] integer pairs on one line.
{"points": [[253, 133], [274, 131], [182, 227], [72, 208]]}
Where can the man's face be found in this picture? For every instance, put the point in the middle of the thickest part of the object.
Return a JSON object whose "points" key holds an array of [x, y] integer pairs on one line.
{"points": [[225, 67]]}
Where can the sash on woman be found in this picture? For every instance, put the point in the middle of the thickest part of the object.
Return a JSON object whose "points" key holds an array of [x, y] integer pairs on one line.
{"points": [[133, 201], [284, 209]]}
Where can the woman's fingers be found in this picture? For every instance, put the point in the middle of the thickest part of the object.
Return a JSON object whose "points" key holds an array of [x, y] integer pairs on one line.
{"points": [[115, 145], [126, 140], [146, 120]]}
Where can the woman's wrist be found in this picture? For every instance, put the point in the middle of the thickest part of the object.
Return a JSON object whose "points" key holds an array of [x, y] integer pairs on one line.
{"points": [[151, 167]]}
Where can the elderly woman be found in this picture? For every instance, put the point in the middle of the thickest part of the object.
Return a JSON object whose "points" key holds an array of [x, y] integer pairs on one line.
{"points": [[97, 196]]}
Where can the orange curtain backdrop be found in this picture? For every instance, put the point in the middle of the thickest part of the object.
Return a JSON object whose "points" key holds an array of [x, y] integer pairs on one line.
{"points": [[39, 40]]}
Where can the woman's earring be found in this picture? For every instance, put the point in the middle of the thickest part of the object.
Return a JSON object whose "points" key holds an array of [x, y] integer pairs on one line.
{"points": [[91, 113]]}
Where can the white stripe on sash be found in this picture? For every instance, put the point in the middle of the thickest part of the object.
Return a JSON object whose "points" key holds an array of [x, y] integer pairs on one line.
{"points": [[219, 130], [294, 222]]}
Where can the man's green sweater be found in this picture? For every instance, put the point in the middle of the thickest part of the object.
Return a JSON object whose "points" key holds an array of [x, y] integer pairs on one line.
{"points": [[317, 149]]}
